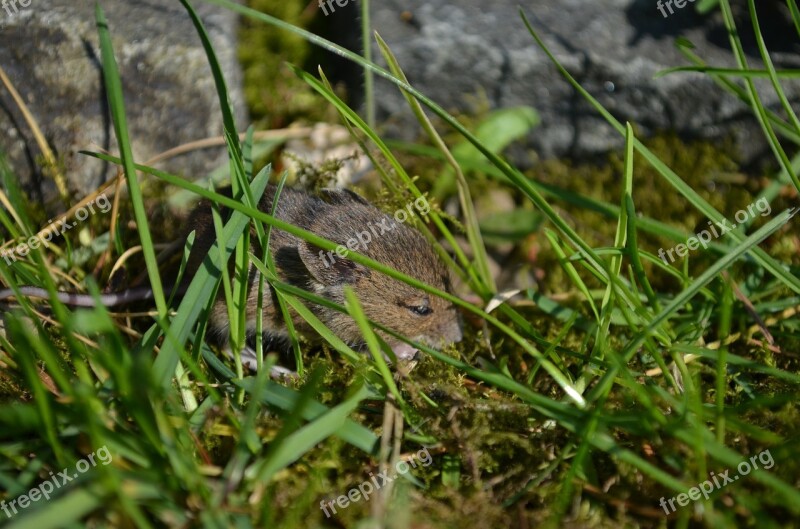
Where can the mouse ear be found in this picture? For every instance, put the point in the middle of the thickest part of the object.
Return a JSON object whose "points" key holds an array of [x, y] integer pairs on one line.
{"points": [[328, 268]]}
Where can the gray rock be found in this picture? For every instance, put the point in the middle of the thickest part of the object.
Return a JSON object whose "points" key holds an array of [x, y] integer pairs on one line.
{"points": [[454, 50], [50, 51]]}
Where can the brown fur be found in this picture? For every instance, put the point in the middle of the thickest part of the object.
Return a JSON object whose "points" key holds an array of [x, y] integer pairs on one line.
{"points": [[339, 215]]}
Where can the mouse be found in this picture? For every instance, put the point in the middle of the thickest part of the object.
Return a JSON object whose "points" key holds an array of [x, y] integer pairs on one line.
{"points": [[348, 219]]}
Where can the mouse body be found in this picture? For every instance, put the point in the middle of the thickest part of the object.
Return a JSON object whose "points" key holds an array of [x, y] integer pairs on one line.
{"points": [[349, 220], [343, 217]]}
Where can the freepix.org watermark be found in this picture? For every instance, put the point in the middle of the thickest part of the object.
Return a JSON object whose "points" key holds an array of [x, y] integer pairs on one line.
{"points": [[707, 487], [11, 5], [35, 241], [360, 241], [704, 237], [374, 484], [56, 481], [679, 4], [329, 4]]}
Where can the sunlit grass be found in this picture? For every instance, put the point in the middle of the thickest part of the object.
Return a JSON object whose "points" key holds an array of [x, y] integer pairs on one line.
{"points": [[198, 441]]}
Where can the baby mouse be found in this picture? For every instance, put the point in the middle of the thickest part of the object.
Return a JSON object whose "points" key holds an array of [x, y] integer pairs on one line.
{"points": [[345, 218], [342, 217]]}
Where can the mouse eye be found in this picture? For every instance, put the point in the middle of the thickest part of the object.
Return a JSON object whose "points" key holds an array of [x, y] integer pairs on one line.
{"points": [[418, 305], [421, 310]]}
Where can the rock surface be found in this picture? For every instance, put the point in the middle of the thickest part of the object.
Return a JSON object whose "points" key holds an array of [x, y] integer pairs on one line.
{"points": [[49, 49], [452, 51]]}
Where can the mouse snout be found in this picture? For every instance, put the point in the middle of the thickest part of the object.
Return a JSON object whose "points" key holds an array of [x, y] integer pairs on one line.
{"points": [[446, 333], [451, 331]]}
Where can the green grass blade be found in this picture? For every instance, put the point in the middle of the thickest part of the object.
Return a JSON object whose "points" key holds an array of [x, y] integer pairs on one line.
{"points": [[357, 312], [306, 438], [116, 105], [286, 399], [306, 314], [225, 104], [366, 44]]}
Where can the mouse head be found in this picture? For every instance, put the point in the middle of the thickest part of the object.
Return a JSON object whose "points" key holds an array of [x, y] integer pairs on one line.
{"points": [[408, 310]]}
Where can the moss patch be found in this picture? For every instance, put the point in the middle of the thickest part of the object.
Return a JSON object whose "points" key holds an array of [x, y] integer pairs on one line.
{"points": [[274, 95]]}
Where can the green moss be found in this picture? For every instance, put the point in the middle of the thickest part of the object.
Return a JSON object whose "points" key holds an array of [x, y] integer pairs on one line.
{"points": [[273, 93]]}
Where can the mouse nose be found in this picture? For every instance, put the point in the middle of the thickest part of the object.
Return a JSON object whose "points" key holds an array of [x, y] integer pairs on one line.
{"points": [[452, 331]]}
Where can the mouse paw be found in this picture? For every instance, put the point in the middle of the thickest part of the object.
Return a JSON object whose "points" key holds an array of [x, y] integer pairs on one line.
{"points": [[250, 361], [405, 352], [282, 373]]}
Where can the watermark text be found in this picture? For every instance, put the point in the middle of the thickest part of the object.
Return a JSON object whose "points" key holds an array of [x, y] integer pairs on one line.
{"points": [[719, 480], [58, 228], [325, 5], [56, 481], [11, 5], [365, 489], [704, 237], [679, 4], [360, 241]]}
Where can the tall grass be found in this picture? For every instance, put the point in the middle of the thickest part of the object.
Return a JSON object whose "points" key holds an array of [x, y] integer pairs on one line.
{"points": [[196, 443]]}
